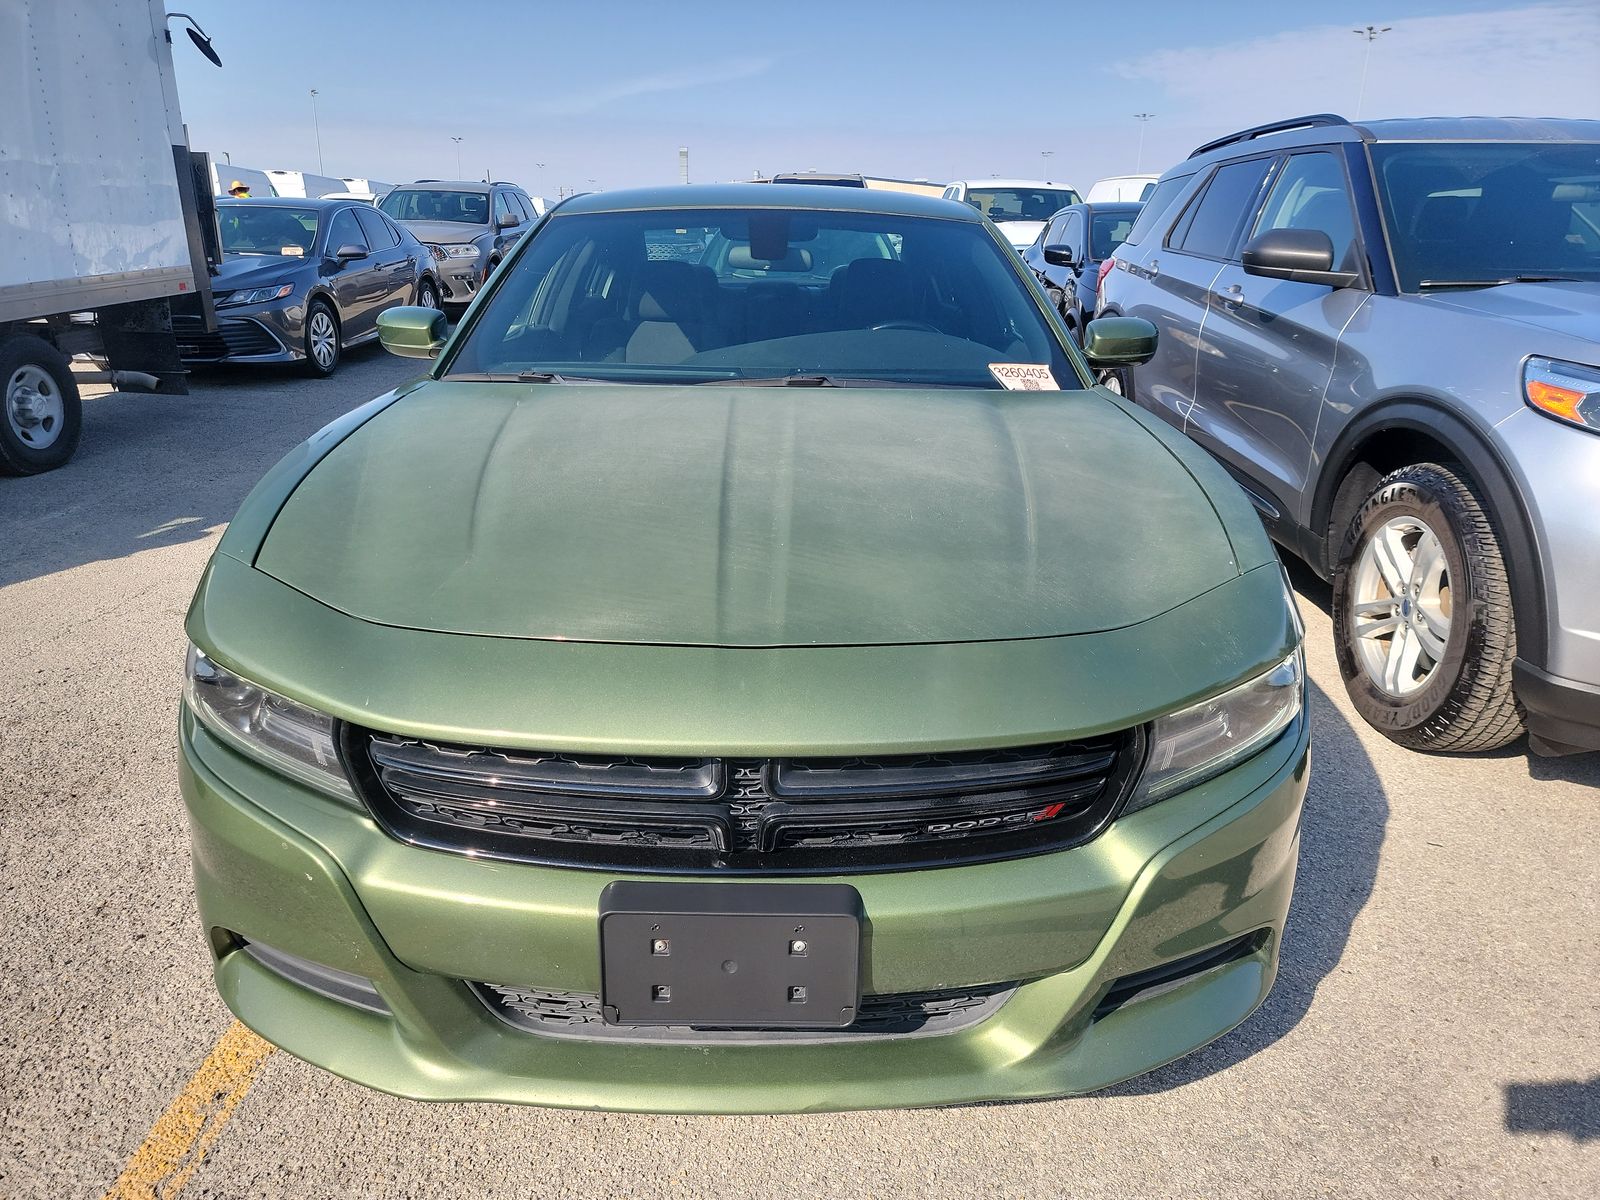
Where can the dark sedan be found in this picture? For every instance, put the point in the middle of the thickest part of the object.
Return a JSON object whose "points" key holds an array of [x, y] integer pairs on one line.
{"points": [[1068, 253], [300, 280]]}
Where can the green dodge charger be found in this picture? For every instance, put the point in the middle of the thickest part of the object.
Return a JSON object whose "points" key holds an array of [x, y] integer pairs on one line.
{"points": [[753, 670]]}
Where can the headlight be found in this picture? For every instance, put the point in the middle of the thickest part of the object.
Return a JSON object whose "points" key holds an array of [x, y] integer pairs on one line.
{"points": [[466, 250], [258, 295], [436, 251], [1566, 391], [287, 736], [1196, 743]]}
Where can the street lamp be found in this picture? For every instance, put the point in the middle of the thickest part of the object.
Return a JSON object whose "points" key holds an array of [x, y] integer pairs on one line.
{"points": [[1045, 154], [1370, 34], [457, 141], [1143, 119], [316, 125]]}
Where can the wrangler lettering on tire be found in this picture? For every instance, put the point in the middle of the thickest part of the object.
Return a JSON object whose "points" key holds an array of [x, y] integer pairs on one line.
{"points": [[1422, 614]]}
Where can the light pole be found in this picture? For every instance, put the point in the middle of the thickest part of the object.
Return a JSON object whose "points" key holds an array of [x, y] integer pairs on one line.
{"points": [[457, 141], [1370, 34], [317, 126], [540, 177], [1045, 154], [1143, 119]]}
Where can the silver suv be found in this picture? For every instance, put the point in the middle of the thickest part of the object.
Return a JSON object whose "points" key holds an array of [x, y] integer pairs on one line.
{"points": [[467, 227], [1389, 333]]}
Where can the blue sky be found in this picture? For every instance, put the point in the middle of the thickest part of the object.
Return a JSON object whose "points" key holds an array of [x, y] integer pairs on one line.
{"points": [[604, 93]]}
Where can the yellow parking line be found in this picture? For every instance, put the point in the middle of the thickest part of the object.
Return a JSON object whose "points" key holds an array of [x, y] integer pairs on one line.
{"points": [[179, 1139]]}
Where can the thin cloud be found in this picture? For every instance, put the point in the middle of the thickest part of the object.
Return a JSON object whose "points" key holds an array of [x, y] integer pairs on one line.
{"points": [[649, 85], [1458, 64]]}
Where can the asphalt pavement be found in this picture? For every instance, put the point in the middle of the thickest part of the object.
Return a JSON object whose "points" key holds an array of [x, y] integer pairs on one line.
{"points": [[1435, 1029]]}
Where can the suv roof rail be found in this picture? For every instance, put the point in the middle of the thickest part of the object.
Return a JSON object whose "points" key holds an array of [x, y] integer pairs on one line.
{"points": [[502, 183], [424, 181], [1255, 131]]}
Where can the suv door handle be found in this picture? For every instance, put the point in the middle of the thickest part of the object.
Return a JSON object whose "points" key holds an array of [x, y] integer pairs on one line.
{"points": [[1231, 295]]}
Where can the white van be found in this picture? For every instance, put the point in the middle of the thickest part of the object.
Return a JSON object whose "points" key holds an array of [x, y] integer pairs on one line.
{"points": [[305, 184], [225, 175], [1122, 188]]}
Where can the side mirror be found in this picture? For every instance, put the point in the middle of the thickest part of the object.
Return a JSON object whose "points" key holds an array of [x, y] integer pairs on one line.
{"points": [[1119, 341], [350, 252], [1301, 255], [509, 221], [1059, 255], [412, 332]]}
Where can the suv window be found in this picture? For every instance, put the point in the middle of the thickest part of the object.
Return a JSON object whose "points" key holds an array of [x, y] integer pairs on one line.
{"points": [[1159, 201], [1466, 212], [344, 231], [1072, 231], [380, 235], [427, 204], [502, 207], [1215, 216], [1310, 193], [520, 202]]}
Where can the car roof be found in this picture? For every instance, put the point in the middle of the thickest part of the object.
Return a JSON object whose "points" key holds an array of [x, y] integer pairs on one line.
{"points": [[316, 202], [770, 195], [450, 185], [1026, 183], [1322, 128]]}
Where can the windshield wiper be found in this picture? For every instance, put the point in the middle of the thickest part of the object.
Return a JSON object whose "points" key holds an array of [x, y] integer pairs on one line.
{"points": [[1429, 285], [521, 377], [801, 380]]}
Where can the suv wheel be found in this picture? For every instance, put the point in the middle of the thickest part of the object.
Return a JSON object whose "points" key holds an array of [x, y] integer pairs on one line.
{"points": [[1422, 616]]}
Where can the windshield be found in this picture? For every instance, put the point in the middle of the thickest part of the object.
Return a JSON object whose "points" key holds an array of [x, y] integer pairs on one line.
{"points": [[1021, 204], [1484, 211], [420, 204], [1108, 230], [734, 294], [255, 228]]}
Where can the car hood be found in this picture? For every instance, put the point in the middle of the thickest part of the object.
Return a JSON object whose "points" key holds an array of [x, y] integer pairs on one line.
{"points": [[1020, 233], [1567, 308], [749, 516], [444, 232], [253, 270]]}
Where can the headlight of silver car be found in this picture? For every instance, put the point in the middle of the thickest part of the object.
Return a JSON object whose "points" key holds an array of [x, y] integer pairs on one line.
{"points": [[283, 734], [460, 250], [1194, 744], [1568, 392]]}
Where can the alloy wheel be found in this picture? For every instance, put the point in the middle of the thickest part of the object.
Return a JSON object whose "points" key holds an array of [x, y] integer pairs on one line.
{"points": [[1402, 606], [34, 407], [324, 339]]}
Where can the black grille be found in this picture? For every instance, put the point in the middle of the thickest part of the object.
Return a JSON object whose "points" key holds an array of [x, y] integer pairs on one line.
{"points": [[235, 337], [782, 816], [906, 1014]]}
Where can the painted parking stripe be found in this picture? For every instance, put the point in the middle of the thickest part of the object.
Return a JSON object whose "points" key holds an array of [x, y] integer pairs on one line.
{"points": [[170, 1152]]}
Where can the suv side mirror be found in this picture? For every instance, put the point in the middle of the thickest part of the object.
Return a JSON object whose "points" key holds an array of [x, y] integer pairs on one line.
{"points": [[412, 332], [509, 221], [350, 252], [1301, 255], [1059, 255], [1119, 341]]}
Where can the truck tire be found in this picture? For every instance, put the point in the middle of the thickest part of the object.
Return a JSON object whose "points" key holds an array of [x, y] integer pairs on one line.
{"points": [[1422, 618], [41, 415]]}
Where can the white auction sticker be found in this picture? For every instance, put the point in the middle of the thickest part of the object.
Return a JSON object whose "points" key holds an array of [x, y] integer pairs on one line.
{"points": [[1025, 377]]}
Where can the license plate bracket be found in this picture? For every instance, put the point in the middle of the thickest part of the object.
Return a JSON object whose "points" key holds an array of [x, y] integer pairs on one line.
{"points": [[730, 955]]}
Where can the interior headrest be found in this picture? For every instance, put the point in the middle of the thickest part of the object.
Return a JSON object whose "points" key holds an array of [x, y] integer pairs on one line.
{"points": [[672, 291], [741, 259]]}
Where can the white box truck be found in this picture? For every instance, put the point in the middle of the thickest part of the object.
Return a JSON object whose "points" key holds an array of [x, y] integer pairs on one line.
{"points": [[100, 221]]}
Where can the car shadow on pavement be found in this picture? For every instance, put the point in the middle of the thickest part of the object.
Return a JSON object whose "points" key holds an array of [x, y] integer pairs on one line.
{"points": [[1570, 1106], [1341, 836], [156, 470]]}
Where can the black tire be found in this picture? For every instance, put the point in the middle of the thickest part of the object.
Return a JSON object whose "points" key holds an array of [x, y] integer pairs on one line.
{"points": [[322, 354], [428, 294], [41, 413], [1466, 704], [1117, 379]]}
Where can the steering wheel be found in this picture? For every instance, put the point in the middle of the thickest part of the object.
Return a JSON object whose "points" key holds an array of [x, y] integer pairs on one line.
{"points": [[920, 326]]}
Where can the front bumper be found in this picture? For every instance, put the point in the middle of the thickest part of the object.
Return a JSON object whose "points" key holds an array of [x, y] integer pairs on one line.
{"points": [[459, 278], [247, 334], [302, 874]]}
